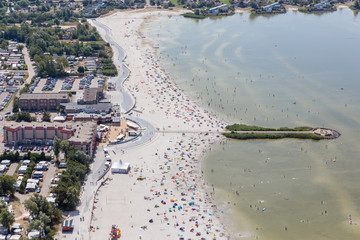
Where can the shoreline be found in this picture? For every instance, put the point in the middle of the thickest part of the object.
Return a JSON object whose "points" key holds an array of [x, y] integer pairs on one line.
{"points": [[147, 41], [190, 120]]}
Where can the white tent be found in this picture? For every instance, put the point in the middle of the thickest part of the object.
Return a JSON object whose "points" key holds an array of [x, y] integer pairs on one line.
{"points": [[120, 167]]}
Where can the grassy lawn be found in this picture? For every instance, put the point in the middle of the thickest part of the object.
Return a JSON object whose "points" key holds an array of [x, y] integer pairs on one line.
{"points": [[175, 2], [225, 2]]}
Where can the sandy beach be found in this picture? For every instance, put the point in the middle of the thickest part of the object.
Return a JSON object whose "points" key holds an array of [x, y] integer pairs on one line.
{"points": [[170, 200]]}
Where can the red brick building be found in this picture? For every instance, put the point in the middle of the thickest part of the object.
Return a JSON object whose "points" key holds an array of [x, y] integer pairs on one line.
{"points": [[82, 135], [41, 101]]}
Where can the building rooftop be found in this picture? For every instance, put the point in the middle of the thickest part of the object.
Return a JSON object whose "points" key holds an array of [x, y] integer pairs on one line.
{"points": [[83, 130], [90, 115], [44, 96], [71, 107], [91, 94]]}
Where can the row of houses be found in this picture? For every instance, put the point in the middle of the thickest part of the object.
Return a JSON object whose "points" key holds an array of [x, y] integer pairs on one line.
{"points": [[11, 78], [92, 64], [11, 58], [322, 5]]}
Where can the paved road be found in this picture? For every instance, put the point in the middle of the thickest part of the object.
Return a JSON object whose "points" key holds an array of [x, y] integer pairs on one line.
{"points": [[31, 70], [119, 56], [82, 217], [146, 135], [47, 181], [81, 227], [12, 169]]}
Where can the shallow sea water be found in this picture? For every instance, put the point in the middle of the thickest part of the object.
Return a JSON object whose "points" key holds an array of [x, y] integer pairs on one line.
{"points": [[288, 70]]}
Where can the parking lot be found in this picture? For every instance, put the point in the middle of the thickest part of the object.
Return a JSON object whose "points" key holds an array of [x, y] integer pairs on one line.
{"points": [[62, 84], [3, 96]]}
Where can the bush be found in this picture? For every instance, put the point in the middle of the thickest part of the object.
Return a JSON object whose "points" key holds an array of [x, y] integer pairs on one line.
{"points": [[243, 127], [247, 136]]}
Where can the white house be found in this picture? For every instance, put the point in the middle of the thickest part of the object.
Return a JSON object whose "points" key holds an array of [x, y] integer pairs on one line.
{"points": [[216, 9], [270, 7]]}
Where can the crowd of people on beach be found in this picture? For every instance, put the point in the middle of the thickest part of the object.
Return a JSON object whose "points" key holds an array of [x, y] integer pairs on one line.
{"points": [[169, 184]]}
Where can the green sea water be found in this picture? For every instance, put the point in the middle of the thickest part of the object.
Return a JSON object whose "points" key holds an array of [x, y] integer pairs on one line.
{"points": [[288, 70]]}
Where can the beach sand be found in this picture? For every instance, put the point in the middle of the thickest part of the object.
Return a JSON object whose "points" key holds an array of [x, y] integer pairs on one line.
{"points": [[172, 201]]}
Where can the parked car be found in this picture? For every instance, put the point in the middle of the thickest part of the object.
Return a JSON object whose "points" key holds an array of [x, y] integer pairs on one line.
{"points": [[38, 190]]}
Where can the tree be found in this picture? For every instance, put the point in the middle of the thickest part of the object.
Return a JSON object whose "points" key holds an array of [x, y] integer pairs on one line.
{"points": [[81, 69], [42, 156], [46, 116], [254, 5], [36, 225], [7, 185], [6, 218], [21, 116], [32, 207], [57, 22], [61, 64], [357, 4], [4, 44], [16, 156], [80, 157], [67, 197], [16, 104], [20, 47], [65, 147], [56, 146], [43, 211]]}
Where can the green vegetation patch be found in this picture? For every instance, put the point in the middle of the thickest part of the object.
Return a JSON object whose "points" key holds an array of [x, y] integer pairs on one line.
{"points": [[227, 2], [248, 136], [244, 127], [176, 3], [193, 15], [71, 180]]}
